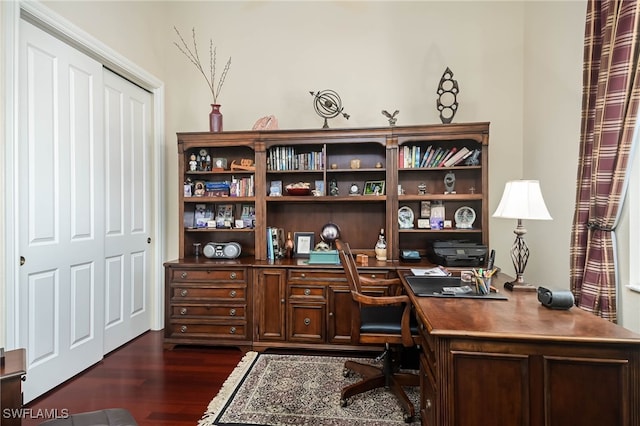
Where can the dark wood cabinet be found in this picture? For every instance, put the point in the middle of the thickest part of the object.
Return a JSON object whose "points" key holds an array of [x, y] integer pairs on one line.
{"points": [[359, 179], [207, 304], [516, 362], [12, 372]]}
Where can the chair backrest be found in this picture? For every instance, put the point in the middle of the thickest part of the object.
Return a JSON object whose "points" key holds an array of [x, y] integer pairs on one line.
{"points": [[349, 265]]}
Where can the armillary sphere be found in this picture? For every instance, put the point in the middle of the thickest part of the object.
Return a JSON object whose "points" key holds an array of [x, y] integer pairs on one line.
{"points": [[328, 104]]}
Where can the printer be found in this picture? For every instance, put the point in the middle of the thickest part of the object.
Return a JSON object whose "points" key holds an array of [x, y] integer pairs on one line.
{"points": [[457, 253]]}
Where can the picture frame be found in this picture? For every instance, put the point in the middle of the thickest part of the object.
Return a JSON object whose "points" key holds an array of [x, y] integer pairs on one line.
{"points": [[374, 187], [224, 216], [303, 244], [425, 209]]}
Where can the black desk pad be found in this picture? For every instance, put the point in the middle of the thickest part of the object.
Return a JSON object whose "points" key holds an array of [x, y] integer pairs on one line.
{"points": [[425, 286]]}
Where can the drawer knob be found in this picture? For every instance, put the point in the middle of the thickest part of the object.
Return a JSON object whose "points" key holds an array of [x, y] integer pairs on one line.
{"points": [[232, 312], [183, 275], [373, 275], [307, 321], [307, 291], [232, 330], [183, 329], [183, 311], [183, 292], [303, 275], [233, 293], [233, 275]]}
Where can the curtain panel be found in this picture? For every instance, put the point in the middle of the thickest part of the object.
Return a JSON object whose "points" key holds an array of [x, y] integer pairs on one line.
{"points": [[609, 110]]}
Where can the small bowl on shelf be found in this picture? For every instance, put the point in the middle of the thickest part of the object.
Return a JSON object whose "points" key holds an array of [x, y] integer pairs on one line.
{"points": [[298, 190]]}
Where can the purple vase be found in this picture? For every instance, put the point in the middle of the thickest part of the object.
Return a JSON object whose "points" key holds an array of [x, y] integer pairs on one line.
{"points": [[215, 118]]}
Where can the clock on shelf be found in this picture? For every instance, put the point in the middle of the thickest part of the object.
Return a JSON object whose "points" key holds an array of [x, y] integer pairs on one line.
{"points": [[464, 217]]}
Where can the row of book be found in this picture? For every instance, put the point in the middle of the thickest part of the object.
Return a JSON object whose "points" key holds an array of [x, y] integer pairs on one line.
{"points": [[415, 157], [283, 158], [236, 187], [275, 243]]}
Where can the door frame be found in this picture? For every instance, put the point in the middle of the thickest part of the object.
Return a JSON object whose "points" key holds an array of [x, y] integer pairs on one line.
{"points": [[47, 20]]}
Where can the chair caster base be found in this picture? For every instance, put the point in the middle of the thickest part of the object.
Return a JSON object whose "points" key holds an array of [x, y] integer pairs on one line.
{"points": [[344, 402]]}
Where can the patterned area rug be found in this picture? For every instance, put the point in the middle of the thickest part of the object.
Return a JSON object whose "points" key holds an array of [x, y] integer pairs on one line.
{"points": [[269, 389]]}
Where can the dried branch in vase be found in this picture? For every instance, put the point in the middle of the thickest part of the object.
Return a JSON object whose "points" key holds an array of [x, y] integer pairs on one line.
{"points": [[193, 56]]}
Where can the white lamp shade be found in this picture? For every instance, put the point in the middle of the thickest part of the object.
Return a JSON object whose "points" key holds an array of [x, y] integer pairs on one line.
{"points": [[522, 199]]}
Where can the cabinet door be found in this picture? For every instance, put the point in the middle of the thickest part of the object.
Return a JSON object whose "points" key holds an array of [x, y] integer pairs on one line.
{"points": [[270, 304], [340, 301]]}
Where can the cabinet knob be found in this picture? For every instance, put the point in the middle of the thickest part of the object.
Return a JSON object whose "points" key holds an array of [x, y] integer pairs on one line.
{"points": [[307, 321], [427, 404], [183, 292], [233, 293], [330, 314], [233, 275], [183, 311], [183, 329], [232, 312], [232, 330], [307, 291], [282, 301], [183, 275]]}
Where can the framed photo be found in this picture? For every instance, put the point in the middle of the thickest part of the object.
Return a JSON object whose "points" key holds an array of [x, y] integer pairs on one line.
{"points": [[374, 187], [425, 209], [303, 243], [224, 217]]}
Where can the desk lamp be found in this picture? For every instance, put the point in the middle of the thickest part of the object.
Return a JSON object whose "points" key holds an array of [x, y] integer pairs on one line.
{"points": [[521, 199]]}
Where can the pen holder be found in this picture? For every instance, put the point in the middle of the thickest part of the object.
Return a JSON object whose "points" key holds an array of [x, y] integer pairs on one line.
{"points": [[483, 285]]}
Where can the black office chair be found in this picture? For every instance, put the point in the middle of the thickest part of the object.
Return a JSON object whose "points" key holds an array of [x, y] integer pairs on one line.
{"points": [[383, 320]]}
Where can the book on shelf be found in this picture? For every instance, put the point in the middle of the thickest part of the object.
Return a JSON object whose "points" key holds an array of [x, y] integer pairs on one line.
{"points": [[425, 156], [448, 155], [456, 157]]}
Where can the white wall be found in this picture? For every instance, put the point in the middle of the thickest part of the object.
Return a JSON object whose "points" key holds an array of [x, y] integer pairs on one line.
{"points": [[518, 65]]}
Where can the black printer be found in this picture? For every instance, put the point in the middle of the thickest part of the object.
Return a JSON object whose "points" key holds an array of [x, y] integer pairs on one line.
{"points": [[457, 253]]}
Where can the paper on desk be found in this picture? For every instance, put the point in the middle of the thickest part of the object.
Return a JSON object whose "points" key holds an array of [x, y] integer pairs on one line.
{"points": [[437, 271]]}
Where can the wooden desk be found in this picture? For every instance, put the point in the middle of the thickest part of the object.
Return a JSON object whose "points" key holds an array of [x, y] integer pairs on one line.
{"points": [[11, 374], [515, 362]]}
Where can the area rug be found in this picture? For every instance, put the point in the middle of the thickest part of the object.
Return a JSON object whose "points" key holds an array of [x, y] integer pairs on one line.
{"points": [[272, 389]]}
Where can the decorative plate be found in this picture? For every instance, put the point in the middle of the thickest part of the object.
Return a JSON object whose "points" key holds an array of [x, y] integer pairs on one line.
{"points": [[464, 217], [405, 217]]}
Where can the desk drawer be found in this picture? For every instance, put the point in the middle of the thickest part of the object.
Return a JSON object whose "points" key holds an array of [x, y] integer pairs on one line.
{"points": [[227, 293], [319, 276], [226, 331], [209, 312], [307, 292], [208, 275]]}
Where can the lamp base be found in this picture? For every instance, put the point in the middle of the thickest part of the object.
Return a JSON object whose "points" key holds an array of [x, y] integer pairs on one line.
{"points": [[518, 286]]}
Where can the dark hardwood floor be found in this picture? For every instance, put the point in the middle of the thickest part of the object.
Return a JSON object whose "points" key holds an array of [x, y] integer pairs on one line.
{"points": [[158, 386]]}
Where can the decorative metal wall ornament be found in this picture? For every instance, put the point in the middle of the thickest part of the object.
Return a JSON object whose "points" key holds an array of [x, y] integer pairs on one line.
{"points": [[392, 117], [328, 104], [447, 97]]}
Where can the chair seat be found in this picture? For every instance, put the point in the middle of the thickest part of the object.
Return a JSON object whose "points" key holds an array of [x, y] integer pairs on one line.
{"points": [[384, 320]]}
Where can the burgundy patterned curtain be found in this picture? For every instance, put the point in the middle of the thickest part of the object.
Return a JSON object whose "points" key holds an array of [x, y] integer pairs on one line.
{"points": [[609, 110]]}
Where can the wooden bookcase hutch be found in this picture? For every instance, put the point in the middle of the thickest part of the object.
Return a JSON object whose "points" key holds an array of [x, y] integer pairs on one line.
{"points": [[254, 302]]}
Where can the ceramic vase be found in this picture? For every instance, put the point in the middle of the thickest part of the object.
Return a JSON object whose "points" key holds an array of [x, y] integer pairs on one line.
{"points": [[215, 118]]}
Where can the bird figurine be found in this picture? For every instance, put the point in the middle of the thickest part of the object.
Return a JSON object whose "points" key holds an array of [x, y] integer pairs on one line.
{"points": [[392, 117]]}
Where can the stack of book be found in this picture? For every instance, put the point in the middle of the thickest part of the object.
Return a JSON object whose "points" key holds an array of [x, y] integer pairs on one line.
{"points": [[415, 157]]}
